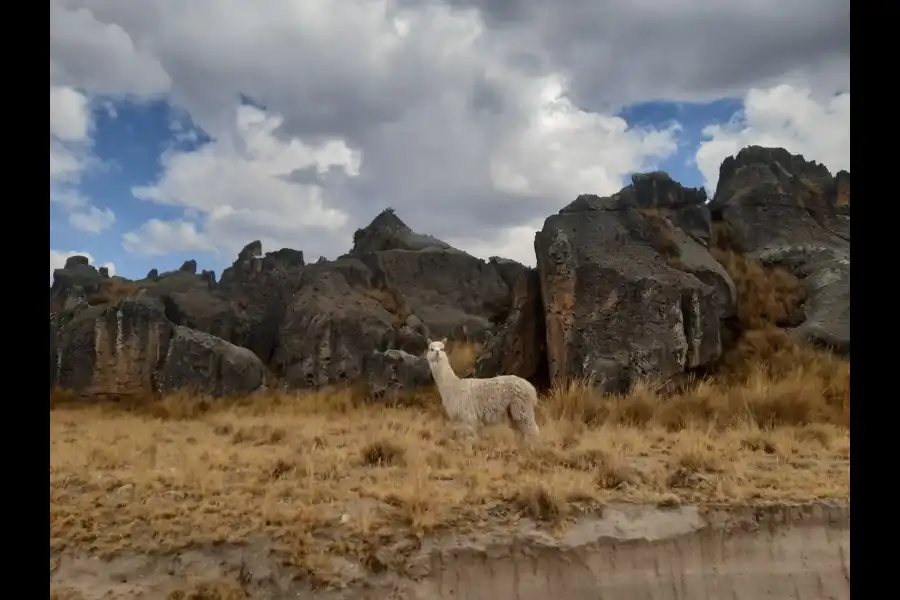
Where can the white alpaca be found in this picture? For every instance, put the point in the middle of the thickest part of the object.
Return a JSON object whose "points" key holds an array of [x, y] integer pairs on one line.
{"points": [[475, 402]]}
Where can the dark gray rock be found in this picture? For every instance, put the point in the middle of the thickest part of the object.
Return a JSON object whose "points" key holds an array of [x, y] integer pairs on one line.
{"points": [[328, 330], [627, 293], [782, 210], [390, 373], [455, 295], [131, 349], [197, 360], [114, 349], [518, 346], [388, 232]]}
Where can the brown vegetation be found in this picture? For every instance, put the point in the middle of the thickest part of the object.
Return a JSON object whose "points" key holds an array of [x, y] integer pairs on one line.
{"points": [[328, 474], [391, 301], [112, 290]]}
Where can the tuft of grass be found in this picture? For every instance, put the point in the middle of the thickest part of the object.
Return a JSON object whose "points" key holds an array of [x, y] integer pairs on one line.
{"points": [[391, 301], [542, 503], [661, 235], [112, 290], [382, 453], [462, 356]]}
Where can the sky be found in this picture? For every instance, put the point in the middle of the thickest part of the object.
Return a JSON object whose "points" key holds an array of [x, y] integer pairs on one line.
{"points": [[184, 130]]}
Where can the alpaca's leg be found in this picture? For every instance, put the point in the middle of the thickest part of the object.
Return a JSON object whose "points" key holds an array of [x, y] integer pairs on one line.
{"points": [[464, 430], [522, 414]]}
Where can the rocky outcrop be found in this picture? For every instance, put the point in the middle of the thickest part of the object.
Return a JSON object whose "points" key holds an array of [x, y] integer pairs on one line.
{"points": [[625, 287], [390, 373], [327, 331], [628, 287], [518, 346], [782, 210], [454, 294], [130, 348]]}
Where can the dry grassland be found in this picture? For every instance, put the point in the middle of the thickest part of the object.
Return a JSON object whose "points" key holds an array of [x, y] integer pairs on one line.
{"points": [[322, 474], [326, 474]]}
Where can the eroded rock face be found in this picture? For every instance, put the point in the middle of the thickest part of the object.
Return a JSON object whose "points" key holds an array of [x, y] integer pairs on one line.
{"points": [[782, 209], [627, 293], [453, 293], [130, 348], [625, 288], [518, 347], [73, 283], [328, 330]]}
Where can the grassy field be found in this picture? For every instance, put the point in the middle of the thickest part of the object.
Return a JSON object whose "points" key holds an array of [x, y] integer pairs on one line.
{"points": [[326, 474]]}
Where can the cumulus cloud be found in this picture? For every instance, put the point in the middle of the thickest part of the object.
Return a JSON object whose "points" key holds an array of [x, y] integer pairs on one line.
{"points": [[58, 261], [564, 151], [474, 120], [246, 180], [156, 237], [783, 116], [70, 125], [93, 220]]}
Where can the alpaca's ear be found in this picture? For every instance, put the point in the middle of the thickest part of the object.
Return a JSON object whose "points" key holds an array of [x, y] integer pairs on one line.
{"points": [[444, 341]]}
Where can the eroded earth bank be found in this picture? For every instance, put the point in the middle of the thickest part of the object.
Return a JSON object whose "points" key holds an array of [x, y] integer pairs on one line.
{"points": [[628, 552]]}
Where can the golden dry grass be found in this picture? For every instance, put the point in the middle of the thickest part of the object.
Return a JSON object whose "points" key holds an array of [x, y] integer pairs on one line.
{"points": [[391, 301], [111, 290], [323, 474], [326, 474]]}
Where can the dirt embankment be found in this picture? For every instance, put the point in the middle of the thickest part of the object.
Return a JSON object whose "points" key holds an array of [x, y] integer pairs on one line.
{"points": [[630, 552]]}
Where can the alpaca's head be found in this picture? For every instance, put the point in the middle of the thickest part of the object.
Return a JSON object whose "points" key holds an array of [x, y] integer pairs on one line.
{"points": [[436, 352]]}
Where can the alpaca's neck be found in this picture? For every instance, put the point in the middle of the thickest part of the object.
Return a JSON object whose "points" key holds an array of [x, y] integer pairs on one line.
{"points": [[444, 378]]}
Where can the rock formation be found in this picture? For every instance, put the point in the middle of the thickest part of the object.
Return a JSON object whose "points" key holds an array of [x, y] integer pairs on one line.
{"points": [[625, 287]]}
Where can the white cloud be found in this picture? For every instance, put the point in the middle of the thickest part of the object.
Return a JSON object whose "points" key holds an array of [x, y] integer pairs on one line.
{"points": [[156, 237], [92, 221], [69, 114], [58, 261], [70, 125], [100, 57], [784, 116], [242, 181], [565, 151], [466, 116]]}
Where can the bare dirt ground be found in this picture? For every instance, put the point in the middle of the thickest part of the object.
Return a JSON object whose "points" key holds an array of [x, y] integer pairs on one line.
{"points": [[338, 490]]}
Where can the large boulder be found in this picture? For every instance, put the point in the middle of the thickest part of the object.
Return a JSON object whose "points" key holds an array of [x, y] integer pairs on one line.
{"points": [[392, 372], [628, 287], [455, 294], [783, 210], [328, 330], [74, 283], [130, 348], [195, 359]]}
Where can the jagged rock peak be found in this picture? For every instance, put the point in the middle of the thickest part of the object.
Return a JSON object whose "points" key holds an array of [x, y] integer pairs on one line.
{"points": [[75, 261], [189, 266], [250, 251], [388, 232], [782, 164], [647, 190]]}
